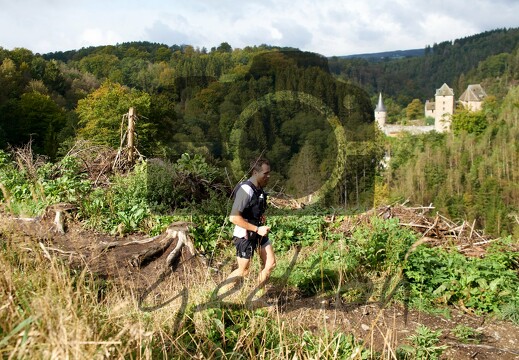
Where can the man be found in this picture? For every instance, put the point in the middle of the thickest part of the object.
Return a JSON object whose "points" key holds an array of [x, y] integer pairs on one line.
{"points": [[247, 215]]}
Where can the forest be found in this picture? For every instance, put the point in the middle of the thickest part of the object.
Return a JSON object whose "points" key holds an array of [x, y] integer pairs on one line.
{"points": [[199, 103], [229, 105]]}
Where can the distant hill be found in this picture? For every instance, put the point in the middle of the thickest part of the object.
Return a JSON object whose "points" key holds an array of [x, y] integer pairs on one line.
{"points": [[404, 78], [392, 55]]}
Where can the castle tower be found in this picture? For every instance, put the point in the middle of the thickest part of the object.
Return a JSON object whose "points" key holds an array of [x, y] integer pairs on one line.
{"points": [[380, 113], [443, 108]]}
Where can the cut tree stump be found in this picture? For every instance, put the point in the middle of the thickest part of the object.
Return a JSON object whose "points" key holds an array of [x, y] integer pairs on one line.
{"points": [[176, 231], [59, 217], [58, 211]]}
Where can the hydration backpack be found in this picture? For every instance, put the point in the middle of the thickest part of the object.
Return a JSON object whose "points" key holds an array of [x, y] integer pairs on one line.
{"points": [[257, 204]]}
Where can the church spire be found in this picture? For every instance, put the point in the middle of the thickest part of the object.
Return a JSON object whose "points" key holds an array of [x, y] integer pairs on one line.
{"points": [[380, 105]]}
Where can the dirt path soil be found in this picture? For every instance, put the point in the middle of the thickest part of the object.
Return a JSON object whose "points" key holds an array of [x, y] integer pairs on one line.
{"points": [[382, 328]]}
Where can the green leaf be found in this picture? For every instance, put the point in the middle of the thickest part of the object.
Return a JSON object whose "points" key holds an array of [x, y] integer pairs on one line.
{"points": [[16, 330]]}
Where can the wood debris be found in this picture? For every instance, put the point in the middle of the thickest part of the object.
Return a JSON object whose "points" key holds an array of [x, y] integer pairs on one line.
{"points": [[430, 225]]}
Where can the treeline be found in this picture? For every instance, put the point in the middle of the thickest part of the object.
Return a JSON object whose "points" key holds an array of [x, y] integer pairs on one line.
{"points": [[227, 104], [453, 62]]}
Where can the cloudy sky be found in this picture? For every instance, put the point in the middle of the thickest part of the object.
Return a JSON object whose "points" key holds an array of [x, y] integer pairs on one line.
{"points": [[328, 27]]}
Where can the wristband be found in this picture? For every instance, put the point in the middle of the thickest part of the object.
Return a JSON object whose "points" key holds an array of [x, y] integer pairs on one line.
{"points": [[257, 229]]}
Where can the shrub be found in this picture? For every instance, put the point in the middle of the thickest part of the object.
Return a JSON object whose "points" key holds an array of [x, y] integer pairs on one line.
{"points": [[381, 246], [185, 184], [424, 346], [30, 186], [447, 278]]}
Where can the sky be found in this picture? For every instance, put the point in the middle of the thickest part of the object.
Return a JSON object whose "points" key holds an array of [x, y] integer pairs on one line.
{"points": [[327, 27]]}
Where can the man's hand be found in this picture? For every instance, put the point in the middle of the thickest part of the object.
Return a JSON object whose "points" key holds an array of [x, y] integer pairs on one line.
{"points": [[263, 230]]}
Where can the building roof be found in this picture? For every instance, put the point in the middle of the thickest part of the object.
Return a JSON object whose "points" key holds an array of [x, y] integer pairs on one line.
{"points": [[430, 105], [380, 105], [445, 90], [474, 92]]}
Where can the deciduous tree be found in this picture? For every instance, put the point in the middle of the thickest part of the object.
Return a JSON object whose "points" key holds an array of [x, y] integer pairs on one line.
{"points": [[101, 112], [415, 110]]}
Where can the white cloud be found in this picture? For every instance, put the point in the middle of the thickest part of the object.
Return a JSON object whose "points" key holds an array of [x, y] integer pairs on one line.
{"points": [[329, 27], [96, 36], [167, 34]]}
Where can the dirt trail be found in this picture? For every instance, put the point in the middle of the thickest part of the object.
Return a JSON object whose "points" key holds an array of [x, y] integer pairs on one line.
{"points": [[375, 324]]}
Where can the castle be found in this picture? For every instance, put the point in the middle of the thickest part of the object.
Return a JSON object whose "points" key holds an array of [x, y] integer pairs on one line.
{"points": [[441, 109]]}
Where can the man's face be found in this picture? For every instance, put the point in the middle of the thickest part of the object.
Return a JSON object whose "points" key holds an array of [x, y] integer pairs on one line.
{"points": [[263, 175]]}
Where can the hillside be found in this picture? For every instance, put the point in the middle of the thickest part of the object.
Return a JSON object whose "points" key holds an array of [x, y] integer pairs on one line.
{"points": [[386, 55], [228, 105], [446, 62], [119, 249], [93, 289]]}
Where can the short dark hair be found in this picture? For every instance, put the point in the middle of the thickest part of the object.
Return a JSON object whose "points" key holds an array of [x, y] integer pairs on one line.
{"points": [[257, 163]]}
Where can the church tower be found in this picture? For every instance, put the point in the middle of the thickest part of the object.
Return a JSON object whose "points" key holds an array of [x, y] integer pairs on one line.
{"points": [[380, 113]]}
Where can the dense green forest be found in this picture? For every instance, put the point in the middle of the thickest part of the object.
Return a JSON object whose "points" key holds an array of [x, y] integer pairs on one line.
{"points": [[227, 105], [473, 59], [299, 109]]}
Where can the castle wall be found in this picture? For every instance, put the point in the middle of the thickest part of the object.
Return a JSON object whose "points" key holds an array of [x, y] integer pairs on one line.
{"points": [[472, 105], [395, 130]]}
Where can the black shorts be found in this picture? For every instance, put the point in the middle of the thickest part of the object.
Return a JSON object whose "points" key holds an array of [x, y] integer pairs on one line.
{"points": [[245, 247]]}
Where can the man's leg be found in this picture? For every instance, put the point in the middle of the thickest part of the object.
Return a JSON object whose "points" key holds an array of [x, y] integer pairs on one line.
{"points": [[235, 277], [268, 260], [242, 270]]}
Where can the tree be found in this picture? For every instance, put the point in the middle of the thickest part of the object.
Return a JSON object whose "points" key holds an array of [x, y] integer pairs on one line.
{"points": [[100, 114], [469, 121], [21, 55], [53, 78], [40, 119], [163, 53], [100, 65], [414, 110], [304, 175], [11, 82], [224, 47]]}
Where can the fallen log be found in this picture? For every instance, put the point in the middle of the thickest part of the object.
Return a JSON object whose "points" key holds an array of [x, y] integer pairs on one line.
{"points": [[176, 231], [104, 245]]}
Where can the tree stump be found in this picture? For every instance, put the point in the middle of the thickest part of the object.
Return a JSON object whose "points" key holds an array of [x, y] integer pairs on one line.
{"points": [[60, 210], [177, 231]]}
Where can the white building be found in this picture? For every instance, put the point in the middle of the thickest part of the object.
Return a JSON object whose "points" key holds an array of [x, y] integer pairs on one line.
{"points": [[473, 97], [442, 108], [380, 112]]}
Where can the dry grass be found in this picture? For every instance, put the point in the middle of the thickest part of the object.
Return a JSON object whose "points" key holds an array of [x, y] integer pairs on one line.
{"points": [[48, 311]]}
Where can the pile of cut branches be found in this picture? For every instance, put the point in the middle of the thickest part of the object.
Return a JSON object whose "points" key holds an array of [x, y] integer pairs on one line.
{"points": [[434, 228], [96, 160]]}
